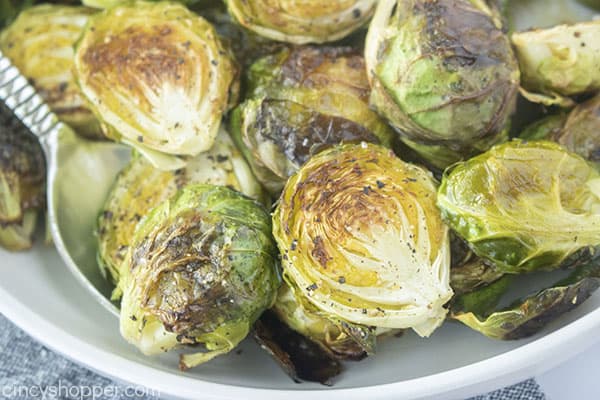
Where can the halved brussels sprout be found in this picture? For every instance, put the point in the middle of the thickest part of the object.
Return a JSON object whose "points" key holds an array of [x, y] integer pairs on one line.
{"points": [[140, 187], [559, 62], [303, 100], [22, 182], [158, 76], [363, 241], [40, 44], [524, 206], [112, 3], [578, 131], [301, 22], [443, 73], [201, 269], [527, 316]]}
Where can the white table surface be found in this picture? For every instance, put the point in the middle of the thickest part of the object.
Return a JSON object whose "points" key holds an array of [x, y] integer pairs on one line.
{"points": [[577, 379]]}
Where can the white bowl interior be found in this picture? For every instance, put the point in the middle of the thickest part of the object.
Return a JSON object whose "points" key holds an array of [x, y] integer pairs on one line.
{"points": [[41, 282]]}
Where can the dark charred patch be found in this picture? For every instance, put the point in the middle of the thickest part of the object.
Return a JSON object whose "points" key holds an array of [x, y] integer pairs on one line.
{"points": [[551, 304], [22, 163], [319, 251], [300, 132], [303, 61], [462, 35], [301, 358]]}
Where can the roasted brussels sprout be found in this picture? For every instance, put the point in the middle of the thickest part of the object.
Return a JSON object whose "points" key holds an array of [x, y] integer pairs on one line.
{"points": [[443, 73], [140, 187], [363, 241], [578, 131], [40, 44], [527, 316], [22, 182], [301, 22], [337, 339], [201, 269], [158, 77], [112, 3], [524, 206], [302, 100], [559, 62], [246, 45]]}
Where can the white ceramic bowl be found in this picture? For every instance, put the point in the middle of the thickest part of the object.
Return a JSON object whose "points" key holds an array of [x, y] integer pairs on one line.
{"points": [[40, 295]]}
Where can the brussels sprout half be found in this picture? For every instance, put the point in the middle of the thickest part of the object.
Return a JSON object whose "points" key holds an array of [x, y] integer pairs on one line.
{"points": [[22, 183], [301, 22], [363, 241], [158, 77], [527, 316], [40, 44], [301, 101], [140, 187], [443, 73], [112, 3], [201, 269], [524, 206], [559, 62]]}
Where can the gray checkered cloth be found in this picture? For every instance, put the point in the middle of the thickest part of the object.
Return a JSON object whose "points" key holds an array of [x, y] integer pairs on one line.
{"points": [[27, 369]]}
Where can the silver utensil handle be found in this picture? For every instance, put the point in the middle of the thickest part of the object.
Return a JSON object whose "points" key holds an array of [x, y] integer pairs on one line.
{"points": [[28, 106]]}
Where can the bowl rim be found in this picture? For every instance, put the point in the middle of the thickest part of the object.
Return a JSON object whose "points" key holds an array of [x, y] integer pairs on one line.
{"points": [[507, 367]]}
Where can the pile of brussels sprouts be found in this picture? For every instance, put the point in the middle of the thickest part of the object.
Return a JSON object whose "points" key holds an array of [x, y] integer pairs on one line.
{"points": [[322, 174]]}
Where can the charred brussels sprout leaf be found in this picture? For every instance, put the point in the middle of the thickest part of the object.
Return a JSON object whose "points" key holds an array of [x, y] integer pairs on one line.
{"points": [[524, 206], [22, 182], [201, 269], [559, 62], [299, 357], [301, 101], [527, 316], [301, 22], [472, 275], [363, 241], [158, 77], [140, 187], [443, 73], [40, 44], [335, 338]]}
